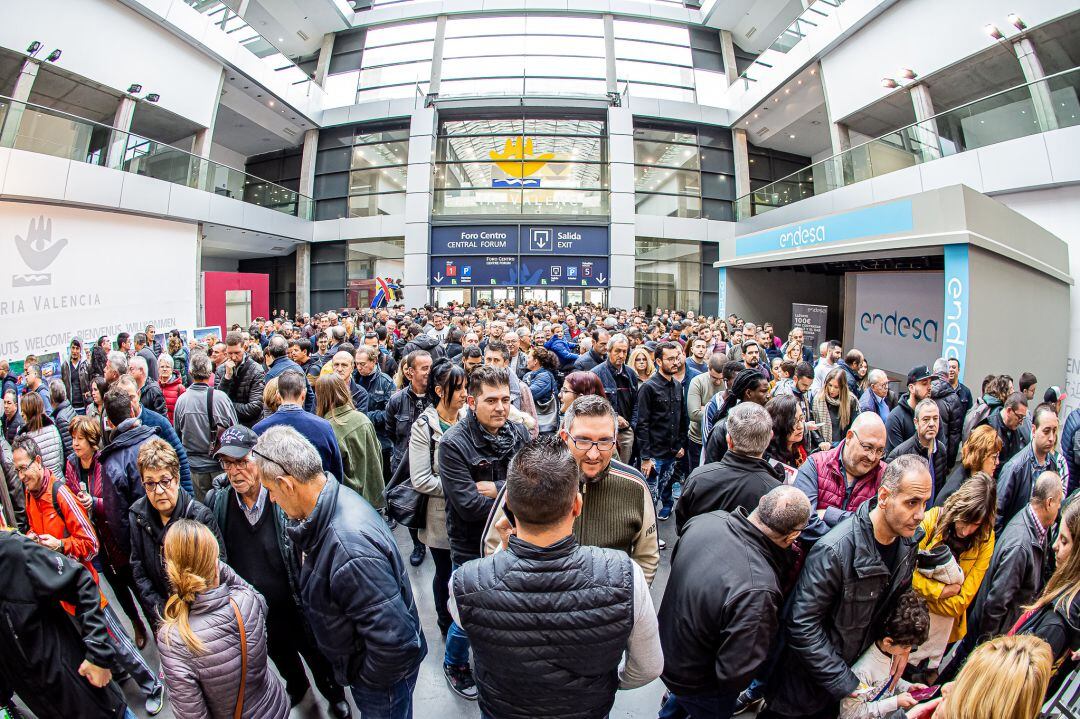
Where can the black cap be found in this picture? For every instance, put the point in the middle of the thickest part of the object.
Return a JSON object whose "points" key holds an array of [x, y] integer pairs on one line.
{"points": [[1054, 394], [236, 442], [917, 374]]}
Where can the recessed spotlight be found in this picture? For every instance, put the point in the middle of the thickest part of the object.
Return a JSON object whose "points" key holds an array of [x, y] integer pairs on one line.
{"points": [[281, 39], [787, 90], [800, 82], [791, 137], [813, 70], [271, 103]]}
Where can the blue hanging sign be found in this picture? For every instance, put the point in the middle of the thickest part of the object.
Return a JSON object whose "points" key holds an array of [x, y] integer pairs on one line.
{"points": [[872, 221], [566, 240], [475, 240]]}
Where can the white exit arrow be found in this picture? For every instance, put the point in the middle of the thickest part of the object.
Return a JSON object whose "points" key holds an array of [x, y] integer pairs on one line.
{"points": [[600, 278], [438, 277], [541, 243]]}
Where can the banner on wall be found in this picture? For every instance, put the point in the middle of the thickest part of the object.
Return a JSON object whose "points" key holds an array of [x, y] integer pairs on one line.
{"points": [[898, 318], [813, 319], [67, 272]]}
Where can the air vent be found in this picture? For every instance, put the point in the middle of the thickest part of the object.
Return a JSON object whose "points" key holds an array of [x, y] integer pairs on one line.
{"points": [[750, 32], [302, 35], [815, 122], [276, 249], [763, 131], [289, 131]]}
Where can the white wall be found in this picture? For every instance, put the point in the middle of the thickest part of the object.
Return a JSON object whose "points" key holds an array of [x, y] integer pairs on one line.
{"points": [[1058, 210], [50, 295], [222, 154], [925, 35], [115, 46]]}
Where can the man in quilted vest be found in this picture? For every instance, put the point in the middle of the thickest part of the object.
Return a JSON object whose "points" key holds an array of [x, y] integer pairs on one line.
{"points": [[837, 481], [548, 618]]}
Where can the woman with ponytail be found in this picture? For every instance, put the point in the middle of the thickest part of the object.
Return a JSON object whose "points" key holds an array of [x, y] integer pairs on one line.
{"points": [[213, 638]]}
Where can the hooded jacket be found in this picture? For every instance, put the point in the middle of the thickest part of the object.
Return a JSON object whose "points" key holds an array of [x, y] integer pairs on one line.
{"points": [[356, 593], [843, 595], [120, 473], [951, 412], [425, 342], [901, 423]]}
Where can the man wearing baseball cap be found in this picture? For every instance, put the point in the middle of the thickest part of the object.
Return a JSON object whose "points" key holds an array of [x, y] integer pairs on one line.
{"points": [[259, 551], [901, 423]]}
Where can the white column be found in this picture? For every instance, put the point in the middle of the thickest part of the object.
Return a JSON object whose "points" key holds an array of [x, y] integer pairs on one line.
{"points": [[418, 200], [740, 146], [125, 113], [23, 85], [727, 50], [1040, 92], [609, 53], [303, 278], [322, 67], [623, 233], [436, 56], [200, 288]]}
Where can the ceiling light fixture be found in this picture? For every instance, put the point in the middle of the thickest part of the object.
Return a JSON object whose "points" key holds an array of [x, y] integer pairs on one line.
{"points": [[992, 30], [1016, 22], [34, 48], [791, 137], [54, 55]]}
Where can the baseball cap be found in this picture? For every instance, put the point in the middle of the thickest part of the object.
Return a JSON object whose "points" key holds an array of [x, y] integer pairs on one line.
{"points": [[1054, 394], [918, 374], [236, 442]]}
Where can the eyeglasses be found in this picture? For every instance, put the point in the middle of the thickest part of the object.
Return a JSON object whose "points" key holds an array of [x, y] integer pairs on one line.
{"points": [[21, 469], [257, 453], [604, 445], [155, 487], [230, 462], [869, 449]]}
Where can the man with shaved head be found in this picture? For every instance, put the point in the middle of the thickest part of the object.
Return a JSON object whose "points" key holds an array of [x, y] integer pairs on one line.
{"points": [[838, 480]]}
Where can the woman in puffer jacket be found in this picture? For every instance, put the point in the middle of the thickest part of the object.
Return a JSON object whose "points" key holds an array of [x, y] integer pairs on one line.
{"points": [[38, 426], [170, 382], [199, 640]]}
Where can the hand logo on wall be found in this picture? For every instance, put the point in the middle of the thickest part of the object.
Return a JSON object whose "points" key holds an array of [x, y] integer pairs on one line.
{"points": [[38, 250]]}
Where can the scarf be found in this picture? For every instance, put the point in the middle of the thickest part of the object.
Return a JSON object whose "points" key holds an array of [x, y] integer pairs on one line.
{"points": [[500, 445], [822, 415]]}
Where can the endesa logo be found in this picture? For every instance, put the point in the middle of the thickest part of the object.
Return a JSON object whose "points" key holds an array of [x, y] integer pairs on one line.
{"points": [[897, 325], [801, 236]]}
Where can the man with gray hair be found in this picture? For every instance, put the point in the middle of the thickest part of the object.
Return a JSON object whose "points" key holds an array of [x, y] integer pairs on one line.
{"points": [[150, 394], [851, 580], [925, 442], [115, 365], [200, 415], [721, 606], [741, 477], [875, 397], [621, 388], [353, 585]]}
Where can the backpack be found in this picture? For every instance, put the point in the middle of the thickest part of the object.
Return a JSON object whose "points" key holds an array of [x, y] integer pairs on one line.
{"points": [[58, 507], [975, 416]]}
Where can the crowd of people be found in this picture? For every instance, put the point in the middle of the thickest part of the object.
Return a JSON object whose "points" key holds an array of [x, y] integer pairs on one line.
{"points": [[844, 548]]}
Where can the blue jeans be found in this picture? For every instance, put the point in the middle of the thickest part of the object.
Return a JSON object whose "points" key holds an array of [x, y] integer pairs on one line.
{"points": [[707, 706], [457, 642], [394, 702], [659, 481]]}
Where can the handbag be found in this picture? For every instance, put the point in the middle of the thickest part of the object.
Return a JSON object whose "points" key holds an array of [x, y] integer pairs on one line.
{"points": [[404, 504], [239, 710]]}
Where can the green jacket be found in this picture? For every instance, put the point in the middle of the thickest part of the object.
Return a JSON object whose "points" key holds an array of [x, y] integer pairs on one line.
{"points": [[360, 453]]}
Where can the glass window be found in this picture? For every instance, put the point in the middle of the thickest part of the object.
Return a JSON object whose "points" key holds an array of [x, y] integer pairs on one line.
{"points": [[667, 154], [374, 57], [391, 92], [380, 155], [667, 180], [667, 274], [667, 205], [411, 72], [655, 73], [386, 179], [372, 205], [652, 32], [652, 52], [368, 260], [395, 34]]}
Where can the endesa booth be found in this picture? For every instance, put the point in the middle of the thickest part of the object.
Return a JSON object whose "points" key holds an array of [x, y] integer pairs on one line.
{"points": [[949, 272]]}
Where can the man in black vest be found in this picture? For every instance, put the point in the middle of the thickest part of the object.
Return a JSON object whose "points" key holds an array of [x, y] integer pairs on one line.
{"points": [[261, 553], [549, 619]]}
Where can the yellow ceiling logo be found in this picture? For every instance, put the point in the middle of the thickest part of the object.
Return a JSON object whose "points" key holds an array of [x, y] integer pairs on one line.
{"points": [[519, 161]]}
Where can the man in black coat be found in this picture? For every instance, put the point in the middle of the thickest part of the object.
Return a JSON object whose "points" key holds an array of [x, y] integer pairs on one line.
{"points": [[738, 480], [353, 585], [662, 425], [720, 610], [1007, 420], [950, 408], [925, 443], [147, 352], [901, 422], [851, 579], [243, 379], [58, 665], [474, 456]]}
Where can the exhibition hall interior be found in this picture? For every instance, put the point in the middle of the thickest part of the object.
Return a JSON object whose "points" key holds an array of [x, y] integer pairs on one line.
{"points": [[903, 175]]}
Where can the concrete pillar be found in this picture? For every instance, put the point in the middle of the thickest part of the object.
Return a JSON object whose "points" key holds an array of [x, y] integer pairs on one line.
{"points": [[1040, 91], [623, 232], [322, 67], [23, 85], [418, 201], [840, 171], [436, 56], [727, 50], [925, 135], [118, 143], [307, 162], [741, 147], [203, 173], [609, 53], [200, 289], [303, 278]]}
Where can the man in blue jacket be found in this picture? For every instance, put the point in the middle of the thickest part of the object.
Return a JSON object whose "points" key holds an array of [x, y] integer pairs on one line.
{"points": [[277, 361], [291, 387], [561, 348], [354, 587], [161, 424]]}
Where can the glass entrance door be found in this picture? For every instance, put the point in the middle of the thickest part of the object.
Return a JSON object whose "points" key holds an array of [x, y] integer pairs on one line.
{"points": [[491, 295], [541, 294]]}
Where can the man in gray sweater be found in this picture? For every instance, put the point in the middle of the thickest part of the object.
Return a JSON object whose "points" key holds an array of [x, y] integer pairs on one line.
{"points": [[192, 422]]}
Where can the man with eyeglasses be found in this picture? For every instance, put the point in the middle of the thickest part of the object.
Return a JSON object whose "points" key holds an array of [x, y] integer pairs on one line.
{"points": [[839, 480], [617, 510], [165, 500], [262, 553], [875, 397]]}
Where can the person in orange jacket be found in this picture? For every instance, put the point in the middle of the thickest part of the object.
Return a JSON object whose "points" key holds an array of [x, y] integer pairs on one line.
{"points": [[57, 521]]}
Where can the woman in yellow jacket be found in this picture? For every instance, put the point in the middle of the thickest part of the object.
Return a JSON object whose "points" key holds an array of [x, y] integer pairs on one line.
{"points": [[965, 524]]}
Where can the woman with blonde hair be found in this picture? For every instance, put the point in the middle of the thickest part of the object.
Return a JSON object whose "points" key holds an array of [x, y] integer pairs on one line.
{"points": [[361, 454], [641, 363], [271, 397], [964, 526], [978, 454], [1005, 678], [834, 408], [213, 637]]}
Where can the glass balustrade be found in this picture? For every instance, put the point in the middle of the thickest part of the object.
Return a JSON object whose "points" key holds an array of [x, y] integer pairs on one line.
{"points": [[25, 126], [1028, 109]]}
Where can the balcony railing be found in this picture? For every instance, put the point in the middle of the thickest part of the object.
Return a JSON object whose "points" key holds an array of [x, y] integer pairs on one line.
{"points": [[26, 126], [1020, 111]]}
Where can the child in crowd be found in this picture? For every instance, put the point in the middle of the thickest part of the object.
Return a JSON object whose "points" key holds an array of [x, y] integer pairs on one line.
{"points": [[876, 697]]}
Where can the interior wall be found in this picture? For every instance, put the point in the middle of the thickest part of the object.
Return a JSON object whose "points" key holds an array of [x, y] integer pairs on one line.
{"points": [[765, 295], [216, 284], [220, 264], [222, 154]]}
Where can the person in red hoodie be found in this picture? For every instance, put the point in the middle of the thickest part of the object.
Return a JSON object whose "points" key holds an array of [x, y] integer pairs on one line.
{"points": [[172, 386], [57, 521]]}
